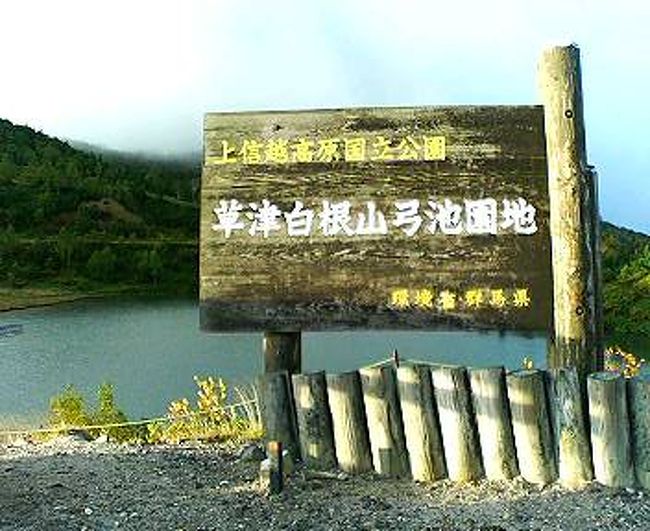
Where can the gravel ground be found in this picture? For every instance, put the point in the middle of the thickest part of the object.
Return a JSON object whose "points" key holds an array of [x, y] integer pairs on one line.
{"points": [[73, 484]]}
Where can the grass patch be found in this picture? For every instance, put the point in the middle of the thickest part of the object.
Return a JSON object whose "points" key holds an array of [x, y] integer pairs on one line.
{"points": [[210, 419]]}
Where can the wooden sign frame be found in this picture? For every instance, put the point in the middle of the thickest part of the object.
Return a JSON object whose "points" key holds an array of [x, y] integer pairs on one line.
{"points": [[429, 217]]}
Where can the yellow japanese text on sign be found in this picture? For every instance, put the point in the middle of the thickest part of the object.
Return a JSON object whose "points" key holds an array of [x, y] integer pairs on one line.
{"points": [[470, 299], [350, 149]]}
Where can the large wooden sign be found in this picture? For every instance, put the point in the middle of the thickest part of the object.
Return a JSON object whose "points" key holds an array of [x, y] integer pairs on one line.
{"points": [[423, 217]]}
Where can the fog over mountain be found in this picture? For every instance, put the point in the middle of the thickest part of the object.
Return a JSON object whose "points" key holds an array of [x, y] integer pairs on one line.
{"points": [[139, 76]]}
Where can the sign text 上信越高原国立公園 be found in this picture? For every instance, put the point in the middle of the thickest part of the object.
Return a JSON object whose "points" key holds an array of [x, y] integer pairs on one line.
{"points": [[348, 149]]}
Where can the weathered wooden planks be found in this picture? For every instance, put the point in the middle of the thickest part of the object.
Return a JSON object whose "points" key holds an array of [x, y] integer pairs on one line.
{"points": [[569, 427], [493, 420], [531, 426], [349, 422], [457, 423], [638, 389], [277, 408], [421, 426], [610, 431], [314, 420], [384, 419], [316, 282]]}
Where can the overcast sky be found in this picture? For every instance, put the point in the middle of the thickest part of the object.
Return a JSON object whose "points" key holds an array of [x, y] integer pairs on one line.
{"points": [[139, 74]]}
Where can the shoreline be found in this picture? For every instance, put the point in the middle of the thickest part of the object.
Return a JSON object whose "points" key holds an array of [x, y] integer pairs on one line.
{"points": [[18, 299], [13, 307]]}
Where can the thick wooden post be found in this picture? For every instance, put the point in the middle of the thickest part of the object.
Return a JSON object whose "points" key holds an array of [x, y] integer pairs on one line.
{"points": [[384, 418], [531, 426], [457, 424], [282, 352], [314, 420], [638, 389], [493, 420], [278, 415], [610, 429], [572, 213], [349, 422], [569, 427], [421, 426]]}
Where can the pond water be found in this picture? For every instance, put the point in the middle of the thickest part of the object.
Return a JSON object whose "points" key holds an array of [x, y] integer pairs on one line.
{"points": [[151, 349]]}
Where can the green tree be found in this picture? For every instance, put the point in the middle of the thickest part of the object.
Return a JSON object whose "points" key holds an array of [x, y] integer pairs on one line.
{"points": [[107, 412], [101, 265], [68, 409], [149, 266], [627, 300], [65, 246]]}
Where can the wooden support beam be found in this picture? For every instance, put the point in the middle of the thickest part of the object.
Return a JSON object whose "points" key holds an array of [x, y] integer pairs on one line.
{"points": [[282, 352], [572, 213], [597, 253]]}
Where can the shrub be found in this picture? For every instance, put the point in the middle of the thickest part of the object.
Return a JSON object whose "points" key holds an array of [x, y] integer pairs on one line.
{"points": [[625, 363], [107, 412], [68, 409], [212, 419]]}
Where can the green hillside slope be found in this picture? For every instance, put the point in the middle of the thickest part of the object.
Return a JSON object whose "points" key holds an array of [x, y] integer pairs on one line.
{"points": [[626, 277], [86, 221]]}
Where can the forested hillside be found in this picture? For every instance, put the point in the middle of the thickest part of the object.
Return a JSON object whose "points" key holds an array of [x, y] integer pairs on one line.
{"points": [[83, 220], [48, 186], [626, 276]]}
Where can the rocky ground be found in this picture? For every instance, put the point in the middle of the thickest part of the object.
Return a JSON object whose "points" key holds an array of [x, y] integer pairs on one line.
{"points": [[72, 484]]}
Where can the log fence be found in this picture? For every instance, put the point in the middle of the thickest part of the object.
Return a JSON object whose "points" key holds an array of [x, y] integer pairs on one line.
{"points": [[430, 422]]}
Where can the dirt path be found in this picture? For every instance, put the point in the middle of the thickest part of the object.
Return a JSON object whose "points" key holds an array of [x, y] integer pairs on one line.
{"points": [[72, 484]]}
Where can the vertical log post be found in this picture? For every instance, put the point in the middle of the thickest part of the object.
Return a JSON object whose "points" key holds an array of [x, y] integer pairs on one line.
{"points": [[569, 427], [421, 427], [282, 352], [314, 420], [349, 422], [459, 436], [610, 429], [278, 415], [639, 402], [493, 420], [276, 476], [531, 426], [572, 213], [384, 418], [598, 272]]}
